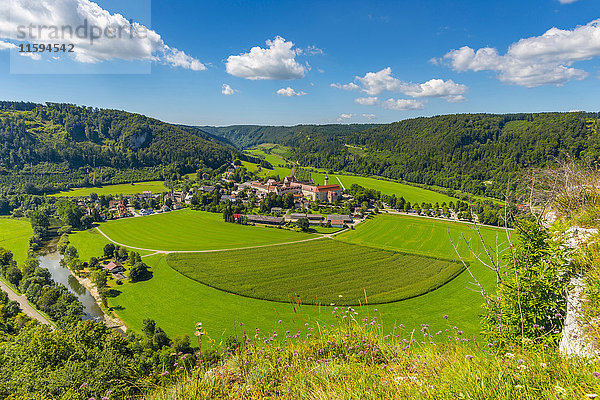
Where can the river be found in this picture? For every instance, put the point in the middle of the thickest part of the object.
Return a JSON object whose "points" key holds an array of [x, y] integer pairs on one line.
{"points": [[50, 259]]}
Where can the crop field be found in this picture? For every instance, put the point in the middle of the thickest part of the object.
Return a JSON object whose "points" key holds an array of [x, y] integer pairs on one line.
{"points": [[193, 230], [318, 272], [14, 236], [124, 188]]}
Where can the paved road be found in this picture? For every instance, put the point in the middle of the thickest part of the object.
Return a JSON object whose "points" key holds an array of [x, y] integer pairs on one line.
{"points": [[155, 251], [24, 304]]}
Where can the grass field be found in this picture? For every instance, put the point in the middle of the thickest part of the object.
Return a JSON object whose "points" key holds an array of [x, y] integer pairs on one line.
{"points": [[124, 188], [177, 302], [193, 230], [318, 272], [14, 236], [91, 243]]}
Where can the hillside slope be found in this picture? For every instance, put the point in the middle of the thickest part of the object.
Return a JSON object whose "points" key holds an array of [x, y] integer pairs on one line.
{"points": [[477, 153], [56, 145]]}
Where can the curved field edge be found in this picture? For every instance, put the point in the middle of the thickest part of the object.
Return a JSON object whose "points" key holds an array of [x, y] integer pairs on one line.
{"points": [[188, 230], [318, 273]]}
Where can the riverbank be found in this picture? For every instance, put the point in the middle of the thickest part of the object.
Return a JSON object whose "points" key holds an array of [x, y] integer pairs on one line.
{"points": [[110, 321]]}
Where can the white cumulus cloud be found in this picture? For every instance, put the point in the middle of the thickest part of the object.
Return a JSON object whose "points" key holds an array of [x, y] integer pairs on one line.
{"points": [[277, 62], [102, 36], [403, 104], [540, 60], [369, 116], [566, 1], [367, 101], [344, 117], [349, 86], [289, 92], [227, 90], [375, 83]]}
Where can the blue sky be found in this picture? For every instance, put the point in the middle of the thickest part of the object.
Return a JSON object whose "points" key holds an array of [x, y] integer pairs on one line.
{"points": [[389, 60]]}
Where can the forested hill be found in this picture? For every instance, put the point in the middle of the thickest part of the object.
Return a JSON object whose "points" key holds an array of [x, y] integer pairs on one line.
{"points": [[45, 147], [245, 136], [477, 153]]}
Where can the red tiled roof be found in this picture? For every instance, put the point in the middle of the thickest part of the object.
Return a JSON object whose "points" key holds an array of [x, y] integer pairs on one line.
{"points": [[327, 188]]}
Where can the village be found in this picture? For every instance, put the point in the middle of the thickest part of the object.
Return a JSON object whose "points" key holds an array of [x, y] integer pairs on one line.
{"points": [[268, 201]]}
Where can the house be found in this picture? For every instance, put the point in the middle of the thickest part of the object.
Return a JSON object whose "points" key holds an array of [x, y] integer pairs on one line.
{"points": [[343, 218], [276, 210], [261, 219], [165, 208], [147, 194], [114, 267], [188, 198], [312, 218], [336, 223], [145, 211]]}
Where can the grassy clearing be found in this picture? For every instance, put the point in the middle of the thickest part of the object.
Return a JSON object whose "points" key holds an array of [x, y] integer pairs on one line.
{"points": [[318, 272], [353, 361], [14, 236], [193, 230], [124, 188], [91, 243]]}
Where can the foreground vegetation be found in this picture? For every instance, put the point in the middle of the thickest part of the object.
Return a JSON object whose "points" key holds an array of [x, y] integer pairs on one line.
{"points": [[318, 272], [353, 359]]}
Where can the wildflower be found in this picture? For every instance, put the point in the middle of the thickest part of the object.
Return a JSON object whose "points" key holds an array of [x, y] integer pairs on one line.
{"points": [[340, 296], [596, 374], [518, 386], [84, 384], [445, 316], [543, 365], [591, 395], [241, 324], [520, 361], [375, 310], [469, 357], [509, 355], [164, 373]]}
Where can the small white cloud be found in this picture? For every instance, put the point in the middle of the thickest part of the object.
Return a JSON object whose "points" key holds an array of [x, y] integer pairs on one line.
{"points": [[313, 51], [539, 60], [369, 116], [403, 104], [349, 86], [227, 90], [437, 88], [566, 1], [108, 36], [7, 45], [344, 117], [289, 92], [277, 62], [375, 83], [367, 101]]}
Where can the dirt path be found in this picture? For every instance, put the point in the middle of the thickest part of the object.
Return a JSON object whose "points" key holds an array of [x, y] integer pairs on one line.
{"points": [[24, 304], [155, 251]]}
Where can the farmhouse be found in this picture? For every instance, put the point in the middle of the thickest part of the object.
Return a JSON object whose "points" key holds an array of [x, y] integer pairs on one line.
{"points": [[114, 267], [343, 218], [312, 218], [261, 219]]}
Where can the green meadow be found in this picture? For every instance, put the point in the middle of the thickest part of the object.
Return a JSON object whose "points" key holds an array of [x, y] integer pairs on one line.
{"points": [[124, 188], [14, 236], [430, 237], [318, 272], [177, 302], [91, 243], [193, 230]]}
